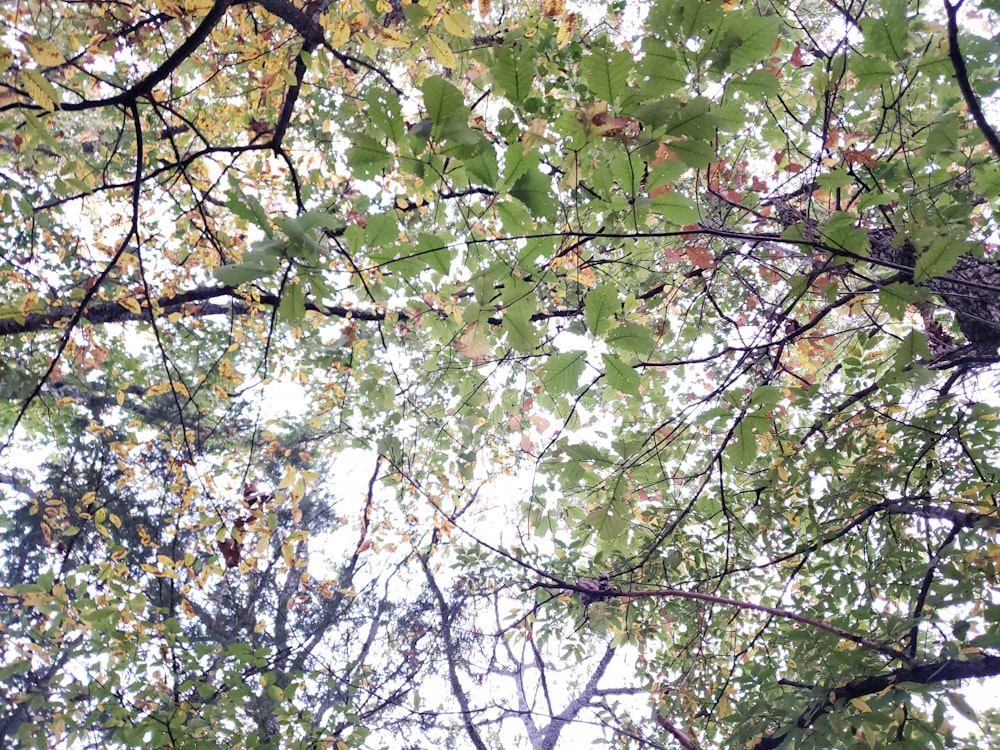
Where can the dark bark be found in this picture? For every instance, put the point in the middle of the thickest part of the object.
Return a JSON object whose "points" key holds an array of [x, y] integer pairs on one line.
{"points": [[928, 674], [971, 289]]}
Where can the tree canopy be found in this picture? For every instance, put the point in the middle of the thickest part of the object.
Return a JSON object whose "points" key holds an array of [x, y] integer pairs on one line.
{"points": [[402, 374]]}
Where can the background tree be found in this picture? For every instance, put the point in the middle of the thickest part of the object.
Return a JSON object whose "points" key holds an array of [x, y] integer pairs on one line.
{"points": [[669, 332]]}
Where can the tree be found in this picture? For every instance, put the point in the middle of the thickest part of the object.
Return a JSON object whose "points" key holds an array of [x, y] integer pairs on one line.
{"points": [[663, 337]]}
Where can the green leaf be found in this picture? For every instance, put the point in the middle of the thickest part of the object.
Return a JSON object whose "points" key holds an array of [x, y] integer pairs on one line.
{"points": [[514, 72], [760, 84], [766, 396], [606, 75], [620, 376], [292, 308], [515, 219], [693, 120], [367, 156], [247, 207], [838, 178], [600, 307], [434, 252], [484, 167], [661, 69], [384, 111], [872, 72], [520, 304], [257, 264], [912, 349], [517, 162], [842, 232], [608, 520], [751, 38], [655, 115], [894, 298], [742, 448], [534, 190], [676, 209], [561, 374], [445, 105], [938, 259], [632, 337], [588, 453], [381, 230], [886, 34], [693, 152]]}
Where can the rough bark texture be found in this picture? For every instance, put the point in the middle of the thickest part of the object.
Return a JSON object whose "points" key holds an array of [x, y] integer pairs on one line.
{"points": [[971, 289]]}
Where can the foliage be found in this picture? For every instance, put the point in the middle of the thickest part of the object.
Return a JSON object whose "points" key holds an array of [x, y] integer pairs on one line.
{"points": [[379, 374]]}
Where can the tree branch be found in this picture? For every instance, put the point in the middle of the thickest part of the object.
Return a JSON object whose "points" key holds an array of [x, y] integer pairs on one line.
{"points": [[846, 635], [928, 674], [451, 652], [962, 77]]}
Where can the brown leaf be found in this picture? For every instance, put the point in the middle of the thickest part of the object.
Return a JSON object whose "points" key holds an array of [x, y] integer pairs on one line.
{"points": [[700, 256], [230, 550]]}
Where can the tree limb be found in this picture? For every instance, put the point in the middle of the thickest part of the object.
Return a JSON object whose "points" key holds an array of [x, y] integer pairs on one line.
{"points": [[927, 674], [962, 77]]}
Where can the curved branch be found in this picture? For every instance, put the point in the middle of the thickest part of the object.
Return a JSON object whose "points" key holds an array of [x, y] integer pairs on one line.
{"points": [[846, 635], [949, 670], [451, 656], [197, 303], [78, 312], [962, 77], [146, 85]]}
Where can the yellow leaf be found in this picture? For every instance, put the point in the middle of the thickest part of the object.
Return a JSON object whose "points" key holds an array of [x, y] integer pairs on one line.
{"points": [[29, 301], [120, 397], [288, 479], [44, 52], [441, 51], [115, 520], [340, 32], [861, 705], [198, 7], [394, 38], [131, 304], [159, 389], [534, 136], [961, 705], [553, 8], [473, 343], [88, 498], [566, 29], [39, 89], [457, 23], [165, 561], [298, 491], [169, 7]]}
